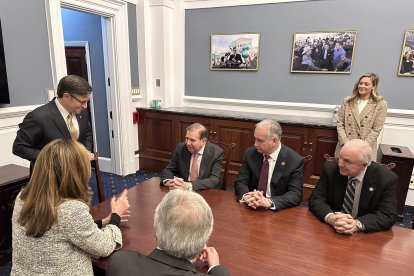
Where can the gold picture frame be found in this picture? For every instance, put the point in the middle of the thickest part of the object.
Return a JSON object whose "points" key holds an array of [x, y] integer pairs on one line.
{"points": [[406, 66], [323, 52], [235, 51]]}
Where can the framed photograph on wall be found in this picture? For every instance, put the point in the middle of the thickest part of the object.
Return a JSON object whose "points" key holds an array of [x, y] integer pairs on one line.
{"points": [[323, 52], [406, 67], [238, 51]]}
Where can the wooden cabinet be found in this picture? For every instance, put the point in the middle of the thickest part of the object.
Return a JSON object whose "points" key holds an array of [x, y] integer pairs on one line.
{"points": [[161, 131], [12, 179], [310, 141]]}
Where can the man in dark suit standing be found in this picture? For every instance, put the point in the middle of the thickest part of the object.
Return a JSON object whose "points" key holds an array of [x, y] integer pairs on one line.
{"points": [[355, 194], [326, 58], [64, 117], [183, 223], [271, 173], [196, 163]]}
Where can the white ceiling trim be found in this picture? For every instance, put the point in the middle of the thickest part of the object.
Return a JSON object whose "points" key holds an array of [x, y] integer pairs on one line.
{"points": [[204, 4]]}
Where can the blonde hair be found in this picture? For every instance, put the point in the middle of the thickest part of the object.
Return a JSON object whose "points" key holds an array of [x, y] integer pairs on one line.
{"points": [[61, 172], [374, 94]]}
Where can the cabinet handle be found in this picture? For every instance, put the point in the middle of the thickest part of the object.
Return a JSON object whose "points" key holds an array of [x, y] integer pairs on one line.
{"points": [[304, 145], [310, 145]]}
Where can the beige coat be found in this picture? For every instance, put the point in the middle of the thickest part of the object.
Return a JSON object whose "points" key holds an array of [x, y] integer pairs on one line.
{"points": [[66, 248], [366, 126]]}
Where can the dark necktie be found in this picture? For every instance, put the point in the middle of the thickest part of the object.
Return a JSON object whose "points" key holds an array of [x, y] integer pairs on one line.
{"points": [[349, 196], [264, 175]]}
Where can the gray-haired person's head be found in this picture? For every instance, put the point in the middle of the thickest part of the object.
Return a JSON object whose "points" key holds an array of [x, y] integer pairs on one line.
{"points": [[183, 223], [364, 149], [274, 128]]}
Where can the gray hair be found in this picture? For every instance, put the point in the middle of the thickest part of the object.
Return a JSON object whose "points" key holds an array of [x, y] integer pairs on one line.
{"points": [[274, 128], [201, 129], [364, 149], [183, 223]]}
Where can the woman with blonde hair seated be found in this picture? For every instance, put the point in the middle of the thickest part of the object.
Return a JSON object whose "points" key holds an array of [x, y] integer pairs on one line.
{"points": [[53, 232]]}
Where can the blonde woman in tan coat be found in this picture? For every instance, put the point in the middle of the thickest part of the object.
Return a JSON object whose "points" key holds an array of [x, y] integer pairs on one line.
{"points": [[362, 115]]}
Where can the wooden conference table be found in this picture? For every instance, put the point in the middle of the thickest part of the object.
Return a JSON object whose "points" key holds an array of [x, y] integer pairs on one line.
{"points": [[262, 242]]}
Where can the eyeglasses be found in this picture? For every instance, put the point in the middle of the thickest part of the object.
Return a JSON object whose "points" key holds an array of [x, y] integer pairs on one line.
{"points": [[81, 102]]}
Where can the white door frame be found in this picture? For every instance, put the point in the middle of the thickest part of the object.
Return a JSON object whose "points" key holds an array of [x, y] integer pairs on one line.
{"points": [[85, 44], [116, 16]]}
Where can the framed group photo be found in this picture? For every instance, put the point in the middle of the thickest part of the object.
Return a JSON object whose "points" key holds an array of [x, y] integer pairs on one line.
{"points": [[406, 67], [238, 51], [323, 52]]}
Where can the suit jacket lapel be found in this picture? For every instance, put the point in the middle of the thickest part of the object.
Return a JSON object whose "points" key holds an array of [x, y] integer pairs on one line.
{"points": [[186, 163], [58, 120], [355, 113], [163, 257], [207, 155], [368, 189], [279, 166], [368, 109], [339, 188], [81, 124]]}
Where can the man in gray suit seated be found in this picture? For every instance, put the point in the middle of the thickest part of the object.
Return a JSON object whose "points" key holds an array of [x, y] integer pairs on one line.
{"points": [[196, 163], [183, 223]]}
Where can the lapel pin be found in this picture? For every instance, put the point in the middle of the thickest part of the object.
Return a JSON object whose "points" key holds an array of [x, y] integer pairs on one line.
{"points": [[283, 163], [371, 189]]}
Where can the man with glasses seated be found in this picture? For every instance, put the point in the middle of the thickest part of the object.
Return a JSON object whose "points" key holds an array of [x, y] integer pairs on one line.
{"points": [[64, 117], [196, 163], [355, 194]]}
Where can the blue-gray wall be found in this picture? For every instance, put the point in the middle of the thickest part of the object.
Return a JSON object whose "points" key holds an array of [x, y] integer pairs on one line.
{"points": [[380, 25], [133, 44], [26, 49], [80, 26]]}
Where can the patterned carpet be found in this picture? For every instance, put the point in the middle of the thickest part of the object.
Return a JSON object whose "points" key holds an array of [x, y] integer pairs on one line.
{"points": [[114, 184]]}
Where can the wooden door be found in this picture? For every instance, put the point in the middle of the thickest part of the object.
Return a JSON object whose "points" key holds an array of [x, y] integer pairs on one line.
{"points": [[239, 132], [156, 136], [295, 138], [182, 122], [76, 61], [76, 65]]}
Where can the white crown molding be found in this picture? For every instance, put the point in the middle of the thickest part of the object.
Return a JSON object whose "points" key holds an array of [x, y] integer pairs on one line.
{"points": [[287, 106], [17, 111], [161, 3], [205, 4], [260, 104]]}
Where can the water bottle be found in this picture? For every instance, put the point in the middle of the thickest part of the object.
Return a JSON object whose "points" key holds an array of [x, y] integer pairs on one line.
{"points": [[335, 114]]}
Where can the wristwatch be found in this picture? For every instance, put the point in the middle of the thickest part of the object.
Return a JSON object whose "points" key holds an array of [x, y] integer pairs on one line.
{"points": [[272, 204], [359, 225]]}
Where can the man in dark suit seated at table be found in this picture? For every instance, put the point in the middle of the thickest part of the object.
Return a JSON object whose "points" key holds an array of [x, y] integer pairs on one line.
{"points": [[183, 223], [271, 173], [355, 194], [196, 163], [64, 117]]}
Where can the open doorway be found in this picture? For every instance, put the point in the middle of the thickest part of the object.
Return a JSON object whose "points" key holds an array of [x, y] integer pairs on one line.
{"points": [[85, 50], [115, 30]]}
